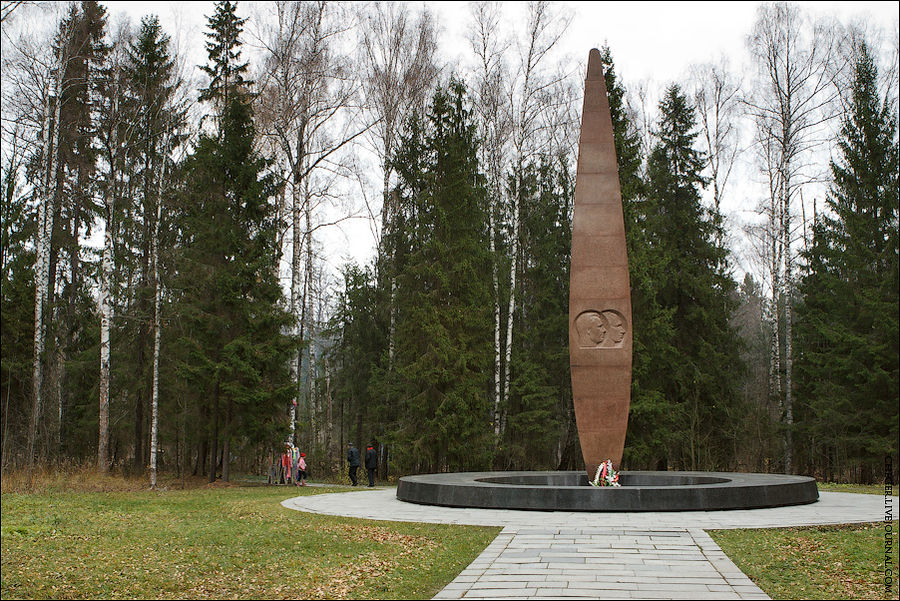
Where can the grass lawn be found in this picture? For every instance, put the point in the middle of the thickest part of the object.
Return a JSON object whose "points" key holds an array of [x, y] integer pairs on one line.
{"points": [[866, 489], [87, 536], [816, 562], [218, 542]]}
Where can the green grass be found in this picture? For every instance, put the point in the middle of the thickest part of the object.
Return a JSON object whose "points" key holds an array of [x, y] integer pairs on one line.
{"points": [[219, 542], [866, 489], [821, 562]]}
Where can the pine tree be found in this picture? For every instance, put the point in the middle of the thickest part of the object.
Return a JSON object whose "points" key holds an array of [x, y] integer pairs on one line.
{"points": [[442, 374], [847, 331]]}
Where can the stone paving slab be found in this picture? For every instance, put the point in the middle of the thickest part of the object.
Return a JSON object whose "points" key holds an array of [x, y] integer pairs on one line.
{"points": [[696, 576], [577, 555]]}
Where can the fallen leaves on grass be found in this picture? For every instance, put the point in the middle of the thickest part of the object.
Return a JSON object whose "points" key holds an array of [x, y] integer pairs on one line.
{"points": [[362, 570]]}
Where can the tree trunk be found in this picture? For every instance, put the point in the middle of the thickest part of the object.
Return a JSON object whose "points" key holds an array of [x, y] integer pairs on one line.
{"points": [[495, 279], [511, 309], [329, 415], [105, 304], [296, 284], [307, 321], [157, 321], [788, 330], [214, 436], [46, 212], [226, 444]]}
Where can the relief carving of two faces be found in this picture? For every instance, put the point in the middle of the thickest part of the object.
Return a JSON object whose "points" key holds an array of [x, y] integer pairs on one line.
{"points": [[598, 329]]}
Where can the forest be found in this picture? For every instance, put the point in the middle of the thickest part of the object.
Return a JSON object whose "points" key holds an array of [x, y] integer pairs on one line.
{"points": [[168, 302]]}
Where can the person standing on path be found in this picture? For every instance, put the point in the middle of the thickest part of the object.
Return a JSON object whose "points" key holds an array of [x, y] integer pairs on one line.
{"points": [[301, 470], [371, 463], [353, 462]]}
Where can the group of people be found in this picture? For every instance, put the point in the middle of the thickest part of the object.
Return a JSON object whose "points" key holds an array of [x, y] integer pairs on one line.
{"points": [[371, 463], [293, 465], [291, 469]]}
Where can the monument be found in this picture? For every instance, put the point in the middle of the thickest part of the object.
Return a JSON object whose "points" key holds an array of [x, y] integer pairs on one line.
{"points": [[600, 340], [600, 347]]}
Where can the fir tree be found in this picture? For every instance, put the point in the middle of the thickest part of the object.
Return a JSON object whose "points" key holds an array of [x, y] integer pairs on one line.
{"points": [[847, 329]]}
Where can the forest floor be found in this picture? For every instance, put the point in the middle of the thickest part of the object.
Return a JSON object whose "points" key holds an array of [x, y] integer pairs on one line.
{"points": [[80, 535]]}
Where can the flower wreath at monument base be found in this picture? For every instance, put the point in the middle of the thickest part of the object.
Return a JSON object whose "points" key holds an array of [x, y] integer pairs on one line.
{"points": [[606, 475]]}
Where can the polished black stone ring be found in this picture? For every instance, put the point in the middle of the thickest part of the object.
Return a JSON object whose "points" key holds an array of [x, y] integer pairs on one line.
{"points": [[639, 491]]}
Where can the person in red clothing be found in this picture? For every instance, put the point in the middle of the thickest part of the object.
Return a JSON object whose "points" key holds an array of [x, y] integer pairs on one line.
{"points": [[371, 463], [286, 465], [301, 470]]}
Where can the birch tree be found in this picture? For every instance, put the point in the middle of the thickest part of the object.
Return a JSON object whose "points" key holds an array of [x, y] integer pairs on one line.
{"points": [[789, 104], [489, 95], [307, 103], [525, 103], [717, 103], [106, 272], [46, 210]]}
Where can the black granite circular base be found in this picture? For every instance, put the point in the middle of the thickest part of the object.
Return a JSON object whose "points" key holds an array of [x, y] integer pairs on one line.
{"points": [[640, 491]]}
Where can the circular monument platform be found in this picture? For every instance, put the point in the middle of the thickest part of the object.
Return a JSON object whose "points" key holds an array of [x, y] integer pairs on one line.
{"points": [[639, 491]]}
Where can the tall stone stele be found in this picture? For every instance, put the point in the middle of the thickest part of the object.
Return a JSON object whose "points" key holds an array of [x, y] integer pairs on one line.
{"points": [[600, 324]]}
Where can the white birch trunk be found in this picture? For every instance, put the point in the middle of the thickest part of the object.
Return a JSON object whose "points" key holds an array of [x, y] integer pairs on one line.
{"points": [[42, 259], [106, 309], [775, 376], [296, 283], [308, 316], [788, 285], [511, 309], [497, 349], [157, 322]]}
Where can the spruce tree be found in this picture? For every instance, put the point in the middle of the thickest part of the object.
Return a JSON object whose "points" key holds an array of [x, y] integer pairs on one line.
{"points": [[356, 356], [442, 364], [71, 325], [648, 437], [142, 126], [696, 354], [847, 331], [225, 69], [540, 402], [233, 349]]}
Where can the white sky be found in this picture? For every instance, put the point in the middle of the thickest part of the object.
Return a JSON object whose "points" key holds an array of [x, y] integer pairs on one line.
{"points": [[650, 41]]}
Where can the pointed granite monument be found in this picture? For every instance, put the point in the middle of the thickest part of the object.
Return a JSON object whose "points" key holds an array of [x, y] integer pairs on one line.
{"points": [[600, 326]]}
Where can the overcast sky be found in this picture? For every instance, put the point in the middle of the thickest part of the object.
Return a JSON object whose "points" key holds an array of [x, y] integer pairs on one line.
{"points": [[653, 42]]}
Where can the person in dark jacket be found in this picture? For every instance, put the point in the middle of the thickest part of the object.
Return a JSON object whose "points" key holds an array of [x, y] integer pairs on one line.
{"points": [[353, 462], [371, 463]]}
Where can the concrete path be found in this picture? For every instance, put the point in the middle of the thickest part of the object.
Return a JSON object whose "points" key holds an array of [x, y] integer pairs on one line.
{"points": [[557, 554]]}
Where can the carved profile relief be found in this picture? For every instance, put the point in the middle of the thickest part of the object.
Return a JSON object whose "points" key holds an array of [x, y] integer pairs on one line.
{"points": [[598, 329]]}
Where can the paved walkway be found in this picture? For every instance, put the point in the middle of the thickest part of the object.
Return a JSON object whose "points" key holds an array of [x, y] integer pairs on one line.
{"points": [[555, 554]]}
